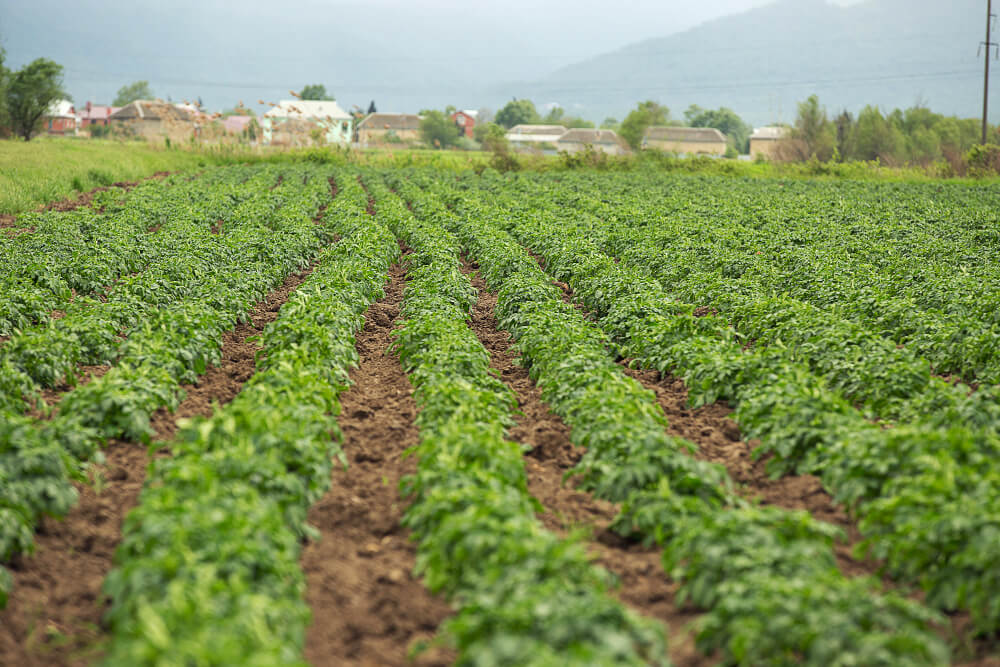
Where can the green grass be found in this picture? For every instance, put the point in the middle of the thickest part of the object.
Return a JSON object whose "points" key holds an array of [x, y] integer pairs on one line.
{"points": [[49, 169]]}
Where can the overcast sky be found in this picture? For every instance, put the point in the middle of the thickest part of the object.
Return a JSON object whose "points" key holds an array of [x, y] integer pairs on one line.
{"points": [[223, 51]]}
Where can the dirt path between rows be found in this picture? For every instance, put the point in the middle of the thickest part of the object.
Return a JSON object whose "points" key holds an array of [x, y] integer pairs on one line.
{"points": [[54, 613], [643, 584], [367, 606]]}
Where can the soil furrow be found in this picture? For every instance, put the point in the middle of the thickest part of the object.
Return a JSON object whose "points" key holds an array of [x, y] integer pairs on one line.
{"points": [[643, 584], [719, 441], [367, 606], [54, 613]]}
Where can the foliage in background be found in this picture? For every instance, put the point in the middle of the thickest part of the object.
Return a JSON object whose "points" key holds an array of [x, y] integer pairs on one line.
{"points": [[316, 91], [557, 116], [724, 120], [517, 112], [137, 90], [438, 130], [645, 115], [30, 93]]}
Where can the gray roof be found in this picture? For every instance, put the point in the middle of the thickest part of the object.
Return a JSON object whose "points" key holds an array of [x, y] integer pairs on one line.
{"points": [[390, 121], [537, 129], [692, 134], [589, 136], [150, 110], [771, 132]]}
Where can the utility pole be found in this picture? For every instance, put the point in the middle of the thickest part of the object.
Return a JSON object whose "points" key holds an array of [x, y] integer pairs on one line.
{"points": [[986, 73]]}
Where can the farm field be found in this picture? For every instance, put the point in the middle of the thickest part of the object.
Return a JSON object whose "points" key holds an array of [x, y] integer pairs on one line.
{"points": [[301, 413]]}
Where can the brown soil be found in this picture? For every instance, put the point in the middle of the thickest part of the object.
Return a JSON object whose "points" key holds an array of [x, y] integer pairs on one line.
{"points": [[54, 613], [221, 383], [367, 606], [643, 584]]}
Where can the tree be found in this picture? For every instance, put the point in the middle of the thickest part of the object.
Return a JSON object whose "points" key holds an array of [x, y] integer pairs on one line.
{"points": [[316, 91], [517, 112], [437, 129], [814, 130], [30, 93], [137, 90], [4, 77], [645, 115], [724, 120], [610, 123], [371, 107], [876, 137]]}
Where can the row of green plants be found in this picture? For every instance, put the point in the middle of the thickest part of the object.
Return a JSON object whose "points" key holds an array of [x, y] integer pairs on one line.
{"points": [[208, 570], [523, 595], [733, 559], [925, 492], [914, 263], [161, 269], [173, 345]]}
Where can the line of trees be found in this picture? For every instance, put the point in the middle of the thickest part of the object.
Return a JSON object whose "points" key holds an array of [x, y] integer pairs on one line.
{"points": [[915, 136]]}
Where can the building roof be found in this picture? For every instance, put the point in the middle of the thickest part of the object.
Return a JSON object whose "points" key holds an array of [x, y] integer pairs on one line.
{"points": [[390, 121], [61, 109], [590, 136], [236, 124], [150, 110], [531, 130], [96, 112], [320, 109], [769, 133], [686, 134]]}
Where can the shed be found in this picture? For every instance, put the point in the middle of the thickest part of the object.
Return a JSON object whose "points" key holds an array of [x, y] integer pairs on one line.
{"points": [[388, 128], [606, 141], [61, 118], [534, 137], [155, 120], [686, 140], [764, 140], [465, 120]]}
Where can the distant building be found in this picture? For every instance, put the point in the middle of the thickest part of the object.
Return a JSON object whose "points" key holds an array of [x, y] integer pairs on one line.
{"points": [[606, 141], [686, 140], [388, 128], [764, 140], [304, 122], [236, 124], [61, 118], [155, 120], [534, 137], [465, 120], [95, 114]]}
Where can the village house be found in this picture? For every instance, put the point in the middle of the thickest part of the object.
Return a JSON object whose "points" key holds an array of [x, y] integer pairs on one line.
{"points": [[686, 140], [306, 122], [606, 141], [95, 114], [764, 141], [534, 137], [155, 120], [61, 118], [388, 128], [465, 120]]}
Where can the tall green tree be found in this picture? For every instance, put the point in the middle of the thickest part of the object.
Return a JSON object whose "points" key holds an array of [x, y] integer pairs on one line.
{"points": [[813, 131], [517, 112], [315, 91], [30, 93], [137, 90], [647, 114], [876, 137], [724, 120], [4, 77], [438, 130]]}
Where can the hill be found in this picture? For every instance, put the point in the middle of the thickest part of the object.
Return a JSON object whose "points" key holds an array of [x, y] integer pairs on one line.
{"points": [[761, 62]]}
